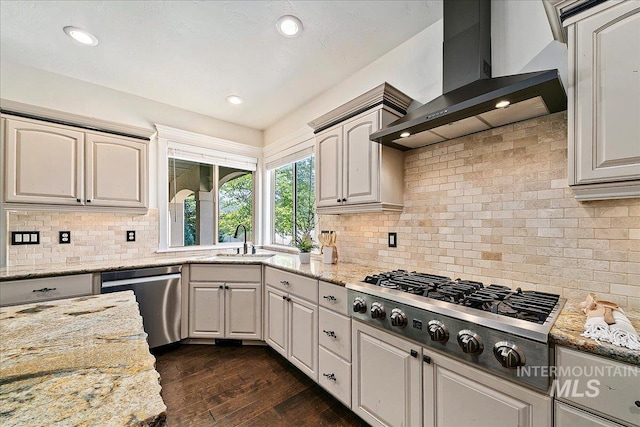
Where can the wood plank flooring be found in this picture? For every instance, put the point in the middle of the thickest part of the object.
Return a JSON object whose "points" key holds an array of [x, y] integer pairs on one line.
{"points": [[206, 385]]}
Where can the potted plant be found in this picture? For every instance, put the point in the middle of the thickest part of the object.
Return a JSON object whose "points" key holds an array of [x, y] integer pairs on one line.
{"points": [[305, 245]]}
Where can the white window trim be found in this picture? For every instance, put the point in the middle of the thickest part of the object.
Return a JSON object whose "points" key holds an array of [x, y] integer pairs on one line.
{"points": [[194, 146], [302, 143]]}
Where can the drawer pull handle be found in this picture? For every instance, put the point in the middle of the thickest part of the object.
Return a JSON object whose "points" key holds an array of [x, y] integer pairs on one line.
{"points": [[330, 334], [44, 290], [329, 298], [284, 283], [330, 377], [637, 402]]}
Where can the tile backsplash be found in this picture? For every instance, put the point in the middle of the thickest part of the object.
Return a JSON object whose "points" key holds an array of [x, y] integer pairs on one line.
{"points": [[94, 237], [495, 206]]}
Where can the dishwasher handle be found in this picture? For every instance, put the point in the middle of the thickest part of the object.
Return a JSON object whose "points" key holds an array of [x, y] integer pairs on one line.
{"points": [[114, 283]]}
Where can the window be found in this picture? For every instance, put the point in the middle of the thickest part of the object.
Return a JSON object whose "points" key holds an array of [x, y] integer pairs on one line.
{"points": [[206, 188], [293, 200], [207, 202]]}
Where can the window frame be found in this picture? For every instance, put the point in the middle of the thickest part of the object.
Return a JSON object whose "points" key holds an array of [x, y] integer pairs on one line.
{"points": [[204, 149]]}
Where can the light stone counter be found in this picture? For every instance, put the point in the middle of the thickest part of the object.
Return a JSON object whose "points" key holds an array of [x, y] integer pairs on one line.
{"points": [[78, 362]]}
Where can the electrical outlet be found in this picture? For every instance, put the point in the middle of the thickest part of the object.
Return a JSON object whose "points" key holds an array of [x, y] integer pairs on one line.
{"points": [[131, 236], [393, 240], [25, 237], [64, 237]]}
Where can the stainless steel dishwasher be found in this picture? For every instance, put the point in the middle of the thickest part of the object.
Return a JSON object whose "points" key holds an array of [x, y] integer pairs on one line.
{"points": [[157, 290]]}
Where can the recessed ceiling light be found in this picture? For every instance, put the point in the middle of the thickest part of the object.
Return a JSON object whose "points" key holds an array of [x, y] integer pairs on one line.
{"points": [[404, 134], [81, 36], [289, 26], [234, 99], [503, 104]]}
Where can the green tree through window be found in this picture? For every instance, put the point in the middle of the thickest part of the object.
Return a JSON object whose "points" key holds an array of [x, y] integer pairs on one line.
{"points": [[235, 207], [294, 200]]}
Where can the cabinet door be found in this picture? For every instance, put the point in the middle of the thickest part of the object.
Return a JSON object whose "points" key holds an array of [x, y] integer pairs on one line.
{"points": [[361, 162], [43, 164], [303, 336], [329, 167], [607, 95], [387, 378], [568, 416], [206, 313], [276, 317], [243, 311], [460, 401], [116, 172]]}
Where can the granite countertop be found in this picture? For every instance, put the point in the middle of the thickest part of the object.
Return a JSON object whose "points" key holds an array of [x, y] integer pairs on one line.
{"points": [[78, 362], [566, 331], [570, 324]]}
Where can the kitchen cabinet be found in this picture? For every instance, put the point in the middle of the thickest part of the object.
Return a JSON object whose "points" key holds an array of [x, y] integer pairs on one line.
{"points": [[605, 391], [603, 101], [221, 305], [568, 416], [334, 338], [26, 291], [50, 164], [456, 394], [291, 318], [354, 174], [387, 378]]}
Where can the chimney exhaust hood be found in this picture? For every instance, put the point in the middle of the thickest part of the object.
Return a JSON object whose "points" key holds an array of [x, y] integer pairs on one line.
{"points": [[472, 100]]}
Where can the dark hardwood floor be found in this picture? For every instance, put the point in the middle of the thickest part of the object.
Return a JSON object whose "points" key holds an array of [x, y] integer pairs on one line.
{"points": [[206, 385]]}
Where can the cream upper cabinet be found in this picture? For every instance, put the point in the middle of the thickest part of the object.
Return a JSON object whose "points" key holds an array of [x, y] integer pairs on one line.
{"points": [[44, 163], [116, 171], [50, 164], [354, 174], [604, 101]]}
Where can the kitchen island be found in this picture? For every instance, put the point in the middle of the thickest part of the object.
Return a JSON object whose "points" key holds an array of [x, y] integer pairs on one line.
{"points": [[78, 362]]}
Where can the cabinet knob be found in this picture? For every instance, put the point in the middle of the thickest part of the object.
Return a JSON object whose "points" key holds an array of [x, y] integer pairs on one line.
{"points": [[221, 287], [330, 334], [414, 354], [344, 200], [44, 290], [78, 200], [88, 200], [330, 377], [637, 402], [329, 297], [338, 200], [284, 283]]}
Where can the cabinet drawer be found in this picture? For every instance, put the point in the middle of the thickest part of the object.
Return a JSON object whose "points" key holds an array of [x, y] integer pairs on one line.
{"points": [[614, 388], [224, 273], [335, 376], [44, 289], [333, 297], [335, 333], [303, 287], [568, 416]]}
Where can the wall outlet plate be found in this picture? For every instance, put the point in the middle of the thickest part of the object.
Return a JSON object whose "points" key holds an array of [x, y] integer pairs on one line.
{"points": [[25, 237], [64, 237], [393, 240], [131, 236]]}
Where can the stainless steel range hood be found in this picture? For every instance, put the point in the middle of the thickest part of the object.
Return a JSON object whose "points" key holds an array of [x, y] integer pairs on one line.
{"points": [[470, 99]]}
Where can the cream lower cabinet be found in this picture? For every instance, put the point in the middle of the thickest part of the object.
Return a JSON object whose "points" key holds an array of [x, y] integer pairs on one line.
{"points": [[387, 378], [26, 291], [595, 390], [50, 164], [603, 101], [291, 318], [456, 394], [225, 309], [334, 338]]}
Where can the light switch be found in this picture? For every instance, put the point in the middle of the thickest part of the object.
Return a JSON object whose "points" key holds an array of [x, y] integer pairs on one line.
{"points": [[393, 240], [25, 237]]}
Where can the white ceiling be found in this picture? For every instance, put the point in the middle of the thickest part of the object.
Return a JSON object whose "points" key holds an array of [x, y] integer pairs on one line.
{"points": [[192, 54]]}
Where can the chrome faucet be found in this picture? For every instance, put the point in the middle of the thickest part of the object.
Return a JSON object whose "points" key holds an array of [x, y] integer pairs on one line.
{"points": [[235, 236]]}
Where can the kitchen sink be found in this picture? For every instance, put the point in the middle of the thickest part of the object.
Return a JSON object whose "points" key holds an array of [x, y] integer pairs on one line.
{"points": [[244, 256]]}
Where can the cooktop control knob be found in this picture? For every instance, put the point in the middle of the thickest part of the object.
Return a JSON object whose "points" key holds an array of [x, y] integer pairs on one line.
{"points": [[398, 318], [508, 354], [377, 311], [470, 342], [437, 331], [359, 306]]}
